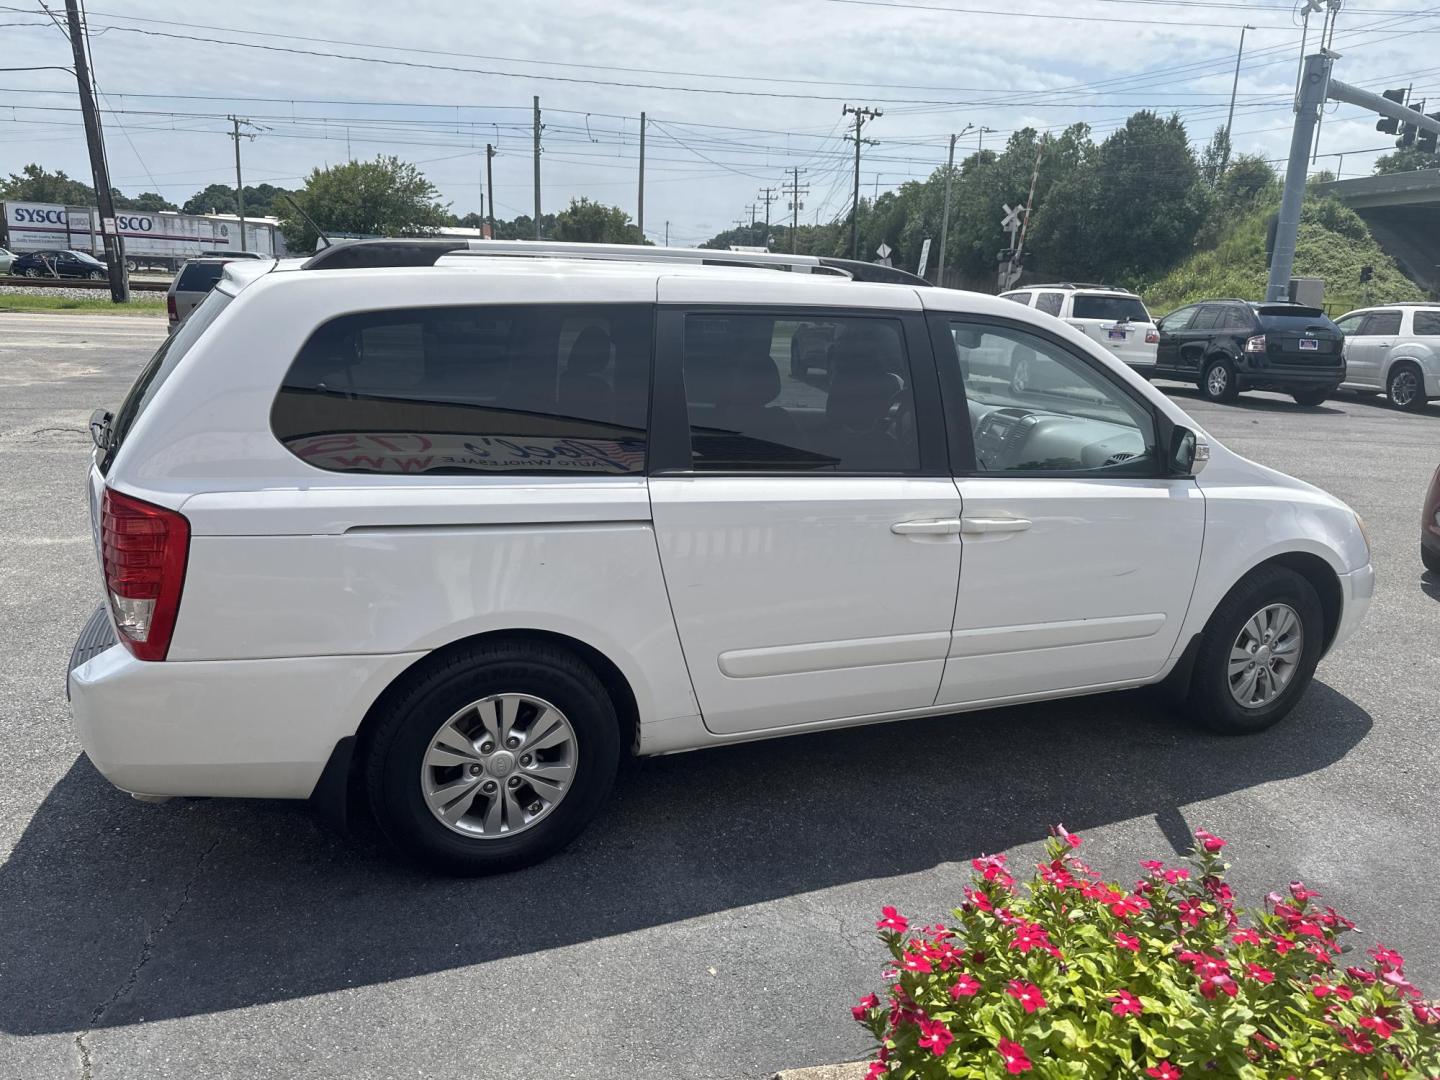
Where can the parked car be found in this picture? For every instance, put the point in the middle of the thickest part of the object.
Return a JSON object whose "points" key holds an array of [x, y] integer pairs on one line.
{"points": [[1227, 347], [1430, 526], [58, 263], [459, 536], [1394, 349], [1114, 317], [191, 285], [7, 258]]}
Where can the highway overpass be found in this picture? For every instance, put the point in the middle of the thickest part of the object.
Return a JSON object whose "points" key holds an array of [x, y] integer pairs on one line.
{"points": [[1403, 212]]}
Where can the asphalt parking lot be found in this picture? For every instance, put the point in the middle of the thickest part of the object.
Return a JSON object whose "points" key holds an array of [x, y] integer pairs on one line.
{"points": [[716, 922]]}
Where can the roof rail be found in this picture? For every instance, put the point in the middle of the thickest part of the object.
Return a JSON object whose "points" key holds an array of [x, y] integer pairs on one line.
{"points": [[356, 254], [1078, 285]]}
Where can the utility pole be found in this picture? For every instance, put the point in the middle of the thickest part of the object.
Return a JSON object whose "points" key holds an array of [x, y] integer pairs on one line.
{"points": [[667, 234], [980, 142], [794, 190], [1234, 86], [490, 186], [100, 170], [945, 214], [235, 123], [537, 166], [861, 114], [769, 195], [640, 203]]}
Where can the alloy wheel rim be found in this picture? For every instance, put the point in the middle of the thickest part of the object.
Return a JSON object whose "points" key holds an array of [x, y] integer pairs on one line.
{"points": [[1217, 379], [1403, 387], [499, 766], [1265, 655]]}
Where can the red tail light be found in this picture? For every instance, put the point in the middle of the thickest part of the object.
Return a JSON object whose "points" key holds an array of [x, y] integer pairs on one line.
{"points": [[143, 549], [1152, 337], [170, 309]]}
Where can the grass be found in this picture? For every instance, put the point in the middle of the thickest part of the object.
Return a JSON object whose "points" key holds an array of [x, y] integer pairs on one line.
{"points": [[141, 304]]}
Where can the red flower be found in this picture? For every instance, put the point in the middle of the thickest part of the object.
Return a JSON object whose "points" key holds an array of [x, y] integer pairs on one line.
{"points": [[1211, 985], [979, 899], [992, 868], [1163, 1071], [1357, 1041], [1176, 875], [861, 1011], [934, 1036], [1069, 837], [1245, 937], [1322, 990], [1366, 977], [1282, 945], [1268, 1044], [890, 919], [1033, 936], [965, 986], [1380, 1025], [1014, 1056], [1153, 865], [877, 1069], [1124, 941], [1209, 841], [1301, 893], [1259, 974], [917, 962], [1344, 993], [1425, 1014], [1125, 906], [1028, 994], [1191, 912], [1125, 1003], [1387, 958]]}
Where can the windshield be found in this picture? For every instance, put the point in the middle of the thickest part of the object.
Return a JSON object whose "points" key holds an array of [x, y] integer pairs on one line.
{"points": [[1118, 308], [158, 369]]}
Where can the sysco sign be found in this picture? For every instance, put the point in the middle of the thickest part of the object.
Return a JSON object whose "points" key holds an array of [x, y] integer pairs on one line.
{"points": [[38, 215], [134, 224]]}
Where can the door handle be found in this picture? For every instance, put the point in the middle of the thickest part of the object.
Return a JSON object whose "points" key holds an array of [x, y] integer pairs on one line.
{"points": [[927, 527], [972, 525]]}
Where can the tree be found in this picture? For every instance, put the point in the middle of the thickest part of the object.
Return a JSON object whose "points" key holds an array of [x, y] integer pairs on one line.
{"points": [[215, 199], [1215, 157], [384, 197], [147, 201], [589, 222], [1406, 159], [34, 184]]}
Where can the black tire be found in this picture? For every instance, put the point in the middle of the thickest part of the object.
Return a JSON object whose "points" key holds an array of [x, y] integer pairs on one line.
{"points": [[1396, 389], [1209, 702], [1217, 389], [96, 275], [1431, 559], [403, 731], [131, 266], [1310, 397]]}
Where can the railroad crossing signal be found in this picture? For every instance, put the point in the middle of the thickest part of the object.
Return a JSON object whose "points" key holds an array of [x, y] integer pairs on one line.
{"points": [[1011, 220]]}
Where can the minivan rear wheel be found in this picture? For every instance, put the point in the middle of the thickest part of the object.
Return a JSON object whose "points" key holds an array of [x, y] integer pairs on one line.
{"points": [[1405, 388], [1218, 382], [1257, 654], [493, 759]]}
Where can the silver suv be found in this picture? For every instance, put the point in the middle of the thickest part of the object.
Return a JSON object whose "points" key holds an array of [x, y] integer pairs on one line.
{"points": [[1116, 318], [1395, 349]]}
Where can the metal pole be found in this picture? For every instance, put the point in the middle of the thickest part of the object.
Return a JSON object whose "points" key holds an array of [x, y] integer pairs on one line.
{"points": [[1234, 87], [490, 185], [855, 205], [794, 208], [537, 166], [1313, 81], [640, 203], [945, 215], [109, 234], [239, 183], [667, 234]]}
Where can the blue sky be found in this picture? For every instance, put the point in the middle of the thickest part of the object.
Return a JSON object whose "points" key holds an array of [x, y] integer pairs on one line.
{"points": [[737, 91]]}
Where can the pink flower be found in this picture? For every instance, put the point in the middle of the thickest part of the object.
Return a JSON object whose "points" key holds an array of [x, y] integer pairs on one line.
{"points": [[1014, 1056], [861, 1011], [1366, 977], [1033, 936], [1125, 1003], [1028, 994], [1259, 974], [877, 1069], [1069, 837], [1209, 841], [1357, 1041], [934, 1036], [1245, 937], [992, 868], [1163, 1071], [1177, 875], [1191, 912], [1125, 941], [1382, 1027], [892, 920], [978, 899], [1125, 906], [1301, 893], [1211, 985], [1344, 993], [916, 962], [1425, 1014], [1387, 958], [1322, 990], [1153, 865], [944, 954], [965, 986]]}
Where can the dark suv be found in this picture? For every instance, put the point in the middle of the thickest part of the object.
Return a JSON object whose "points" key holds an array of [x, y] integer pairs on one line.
{"points": [[1226, 346]]}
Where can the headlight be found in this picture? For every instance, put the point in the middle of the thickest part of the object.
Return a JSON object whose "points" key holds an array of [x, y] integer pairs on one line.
{"points": [[1364, 534]]}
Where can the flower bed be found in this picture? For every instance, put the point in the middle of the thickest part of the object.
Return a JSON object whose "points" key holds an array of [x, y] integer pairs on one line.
{"points": [[1078, 978]]}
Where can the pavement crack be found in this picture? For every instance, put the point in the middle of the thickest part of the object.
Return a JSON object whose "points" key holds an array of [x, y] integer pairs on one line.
{"points": [[147, 950]]}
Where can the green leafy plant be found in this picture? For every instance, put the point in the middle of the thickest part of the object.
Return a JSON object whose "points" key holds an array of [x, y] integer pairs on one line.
{"points": [[1074, 977]]}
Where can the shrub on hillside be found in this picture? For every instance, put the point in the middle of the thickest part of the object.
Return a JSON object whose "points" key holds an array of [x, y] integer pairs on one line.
{"points": [[1078, 978]]}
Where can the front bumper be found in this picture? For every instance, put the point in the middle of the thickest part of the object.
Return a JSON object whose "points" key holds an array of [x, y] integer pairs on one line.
{"points": [[250, 728], [1356, 590]]}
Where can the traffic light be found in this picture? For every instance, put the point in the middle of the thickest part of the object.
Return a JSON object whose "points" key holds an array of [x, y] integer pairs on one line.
{"points": [[1425, 140], [1388, 124], [1407, 136]]}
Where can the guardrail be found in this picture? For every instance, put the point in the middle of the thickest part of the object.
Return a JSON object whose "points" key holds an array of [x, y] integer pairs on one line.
{"points": [[82, 283]]}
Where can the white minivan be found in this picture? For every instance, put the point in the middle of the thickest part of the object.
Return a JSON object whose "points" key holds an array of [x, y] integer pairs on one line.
{"points": [[446, 535]]}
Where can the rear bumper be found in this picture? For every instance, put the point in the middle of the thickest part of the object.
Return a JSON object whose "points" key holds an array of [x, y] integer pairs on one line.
{"points": [[1356, 590], [1286, 379], [251, 728]]}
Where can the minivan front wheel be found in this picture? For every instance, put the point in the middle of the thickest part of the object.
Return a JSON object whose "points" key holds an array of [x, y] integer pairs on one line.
{"points": [[1258, 653], [493, 759], [1405, 388], [1218, 382]]}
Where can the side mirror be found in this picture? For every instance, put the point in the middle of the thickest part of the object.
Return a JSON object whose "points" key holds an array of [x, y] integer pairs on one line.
{"points": [[1189, 454], [100, 431]]}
